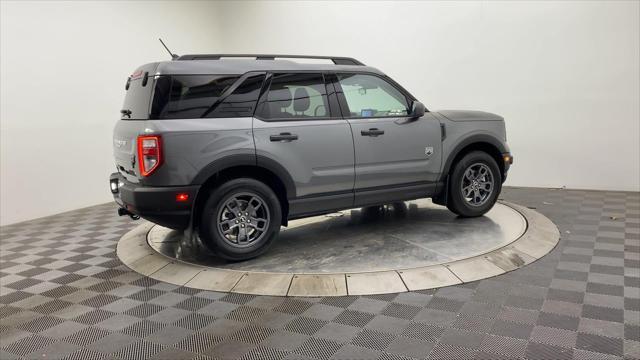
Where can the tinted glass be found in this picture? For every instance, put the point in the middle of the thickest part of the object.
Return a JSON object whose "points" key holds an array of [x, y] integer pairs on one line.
{"points": [[188, 96], [242, 101], [371, 96], [137, 99], [296, 96]]}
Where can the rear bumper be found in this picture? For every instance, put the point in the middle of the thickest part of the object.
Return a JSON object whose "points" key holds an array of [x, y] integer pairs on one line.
{"points": [[156, 204]]}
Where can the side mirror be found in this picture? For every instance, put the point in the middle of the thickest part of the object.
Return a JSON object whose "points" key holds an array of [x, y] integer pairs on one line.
{"points": [[417, 109]]}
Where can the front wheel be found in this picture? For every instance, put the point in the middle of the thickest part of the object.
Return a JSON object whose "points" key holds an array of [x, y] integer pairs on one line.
{"points": [[241, 219], [475, 184]]}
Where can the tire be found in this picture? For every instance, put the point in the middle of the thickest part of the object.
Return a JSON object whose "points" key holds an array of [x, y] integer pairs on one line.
{"points": [[475, 199], [226, 229]]}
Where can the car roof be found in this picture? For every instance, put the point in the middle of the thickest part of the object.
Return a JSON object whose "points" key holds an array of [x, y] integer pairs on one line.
{"points": [[241, 66]]}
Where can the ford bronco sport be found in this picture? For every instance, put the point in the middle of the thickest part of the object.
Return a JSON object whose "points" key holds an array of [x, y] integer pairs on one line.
{"points": [[234, 146]]}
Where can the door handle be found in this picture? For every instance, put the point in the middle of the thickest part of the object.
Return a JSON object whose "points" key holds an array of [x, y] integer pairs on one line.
{"points": [[372, 132], [283, 137]]}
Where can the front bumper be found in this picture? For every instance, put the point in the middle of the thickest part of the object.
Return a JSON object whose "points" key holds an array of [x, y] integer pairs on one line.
{"points": [[507, 159], [159, 205]]}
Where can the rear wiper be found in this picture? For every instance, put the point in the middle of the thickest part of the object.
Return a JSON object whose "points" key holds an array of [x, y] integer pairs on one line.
{"points": [[126, 112]]}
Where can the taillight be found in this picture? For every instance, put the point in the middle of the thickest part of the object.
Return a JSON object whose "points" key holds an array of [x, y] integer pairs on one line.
{"points": [[149, 153]]}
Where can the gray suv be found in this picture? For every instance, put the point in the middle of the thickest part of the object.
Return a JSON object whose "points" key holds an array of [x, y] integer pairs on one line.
{"points": [[234, 146]]}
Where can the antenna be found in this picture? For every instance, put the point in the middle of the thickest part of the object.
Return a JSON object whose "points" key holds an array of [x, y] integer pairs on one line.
{"points": [[173, 56]]}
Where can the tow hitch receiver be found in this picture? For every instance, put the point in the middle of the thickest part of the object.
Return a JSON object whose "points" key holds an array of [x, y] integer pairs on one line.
{"points": [[123, 212]]}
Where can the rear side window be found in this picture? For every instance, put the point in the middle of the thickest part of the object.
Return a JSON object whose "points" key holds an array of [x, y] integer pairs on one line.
{"points": [[241, 102], [371, 96], [188, 96], [295, 96]]}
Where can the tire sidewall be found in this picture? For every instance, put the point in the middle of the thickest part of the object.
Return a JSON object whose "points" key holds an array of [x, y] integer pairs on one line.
{"points": [[209, 227], [459, 203]]}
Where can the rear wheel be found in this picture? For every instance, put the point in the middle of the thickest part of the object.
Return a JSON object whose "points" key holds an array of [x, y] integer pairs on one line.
{"points": [[241, 219], [475, 185]]}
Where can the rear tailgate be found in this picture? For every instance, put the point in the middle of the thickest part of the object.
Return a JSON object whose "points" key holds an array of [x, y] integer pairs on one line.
{"points": [[134, 113], [124, 147]]}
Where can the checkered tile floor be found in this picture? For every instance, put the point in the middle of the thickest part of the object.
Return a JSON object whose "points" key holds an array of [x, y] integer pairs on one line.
{"points": [[64, 294]]}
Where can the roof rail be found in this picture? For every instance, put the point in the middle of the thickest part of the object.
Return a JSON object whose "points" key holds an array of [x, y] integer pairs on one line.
{"points": [[338, 60]]}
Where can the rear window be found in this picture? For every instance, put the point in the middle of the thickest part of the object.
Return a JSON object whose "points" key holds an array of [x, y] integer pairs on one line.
{"points": [[137, 98]]}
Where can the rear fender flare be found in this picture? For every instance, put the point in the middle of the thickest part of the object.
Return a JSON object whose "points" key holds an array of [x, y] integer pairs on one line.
{"points": [[247, 160]]}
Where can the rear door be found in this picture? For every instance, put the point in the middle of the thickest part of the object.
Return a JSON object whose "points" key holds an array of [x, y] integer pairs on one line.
{"points": [[396, 156], [298, 126]]}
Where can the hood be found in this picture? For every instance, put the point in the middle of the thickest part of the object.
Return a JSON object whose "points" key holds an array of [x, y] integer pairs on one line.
{"points": [[469, 115]]}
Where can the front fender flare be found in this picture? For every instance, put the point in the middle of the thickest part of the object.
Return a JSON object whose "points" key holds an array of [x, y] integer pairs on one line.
{"points": [[469, 140]]}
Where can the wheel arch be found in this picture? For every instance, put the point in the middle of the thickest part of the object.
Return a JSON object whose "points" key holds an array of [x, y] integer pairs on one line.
{"points": [[478, 142], [481, 142], [237, 166]]}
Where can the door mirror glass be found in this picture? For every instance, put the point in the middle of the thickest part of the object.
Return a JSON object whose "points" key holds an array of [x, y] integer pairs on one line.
{"points": [[417, 109]]}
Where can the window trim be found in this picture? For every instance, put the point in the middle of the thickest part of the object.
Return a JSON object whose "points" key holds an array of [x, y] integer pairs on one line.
{"points": [[334, 114], [343, 100], [331, 82]]}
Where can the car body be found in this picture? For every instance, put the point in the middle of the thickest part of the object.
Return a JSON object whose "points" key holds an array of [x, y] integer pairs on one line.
{"points": [[322, 137]]}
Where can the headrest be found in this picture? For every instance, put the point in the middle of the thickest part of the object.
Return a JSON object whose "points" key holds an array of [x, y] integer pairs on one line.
{"points": [[286, 99], [280, 98], [301, 100]]}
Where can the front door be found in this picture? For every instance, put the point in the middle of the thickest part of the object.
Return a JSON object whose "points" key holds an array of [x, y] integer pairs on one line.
{"points": [[396, 156], [297, 125]]}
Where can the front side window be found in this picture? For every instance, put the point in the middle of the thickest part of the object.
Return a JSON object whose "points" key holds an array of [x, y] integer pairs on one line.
{"points": [[188, 96], [295, 96], [371, 96]]}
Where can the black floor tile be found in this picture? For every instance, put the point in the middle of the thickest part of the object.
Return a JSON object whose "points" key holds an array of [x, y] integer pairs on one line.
{"points": [[92, 311]]}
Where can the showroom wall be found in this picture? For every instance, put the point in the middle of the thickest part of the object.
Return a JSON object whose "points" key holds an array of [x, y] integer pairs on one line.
{"points": [[63, 69], [565, 75]]}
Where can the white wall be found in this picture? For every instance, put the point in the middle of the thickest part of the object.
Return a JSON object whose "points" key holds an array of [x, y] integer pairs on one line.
{"points": [[63, 70], [565, 75]]}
